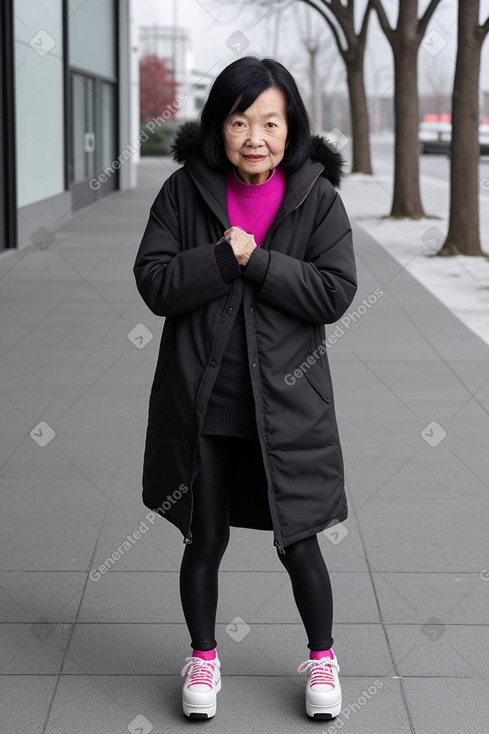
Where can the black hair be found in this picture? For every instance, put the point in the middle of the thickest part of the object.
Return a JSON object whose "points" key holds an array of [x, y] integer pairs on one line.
{"points": [[250, 76]]}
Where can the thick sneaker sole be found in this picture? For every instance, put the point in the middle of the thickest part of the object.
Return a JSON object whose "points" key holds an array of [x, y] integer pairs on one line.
{"points": [[323, 712], [200, 711]]}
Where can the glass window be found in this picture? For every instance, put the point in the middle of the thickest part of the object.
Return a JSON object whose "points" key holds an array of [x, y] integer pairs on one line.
{"points": [[92, 36], [109, 117], [83, 116], [38, 100]]}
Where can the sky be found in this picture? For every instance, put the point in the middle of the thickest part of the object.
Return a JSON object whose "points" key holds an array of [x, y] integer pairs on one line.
{"points": [[215, 26]]}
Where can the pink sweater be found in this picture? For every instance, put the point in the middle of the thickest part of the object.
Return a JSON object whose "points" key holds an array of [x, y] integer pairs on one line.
{"points": [[254, 207]]}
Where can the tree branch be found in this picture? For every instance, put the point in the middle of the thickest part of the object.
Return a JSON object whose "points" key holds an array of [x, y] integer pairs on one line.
{"points": [[428, 13], [345, 17], [384, 21], [341, 15], [363, 30], [485, 28], [334, 29]]}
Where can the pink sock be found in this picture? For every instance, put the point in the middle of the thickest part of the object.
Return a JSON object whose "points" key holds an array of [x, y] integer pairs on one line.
{"points": [[318, 654], [205, 654]]}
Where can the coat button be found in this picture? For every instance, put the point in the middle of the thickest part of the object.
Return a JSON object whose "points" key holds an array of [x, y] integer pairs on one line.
{"points": [[230, 309], [251, 308], [254, 364], [213, 363]]}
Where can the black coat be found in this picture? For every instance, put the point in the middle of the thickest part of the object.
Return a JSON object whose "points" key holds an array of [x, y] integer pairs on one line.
{"points": [[310, 281]]}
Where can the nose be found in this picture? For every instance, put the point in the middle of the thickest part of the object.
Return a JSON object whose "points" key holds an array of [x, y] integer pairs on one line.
{"points": [[255, 139]]}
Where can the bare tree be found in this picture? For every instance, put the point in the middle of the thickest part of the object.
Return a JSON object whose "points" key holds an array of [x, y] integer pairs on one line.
{"points": [[351, 46], [312, 42], [463, 236], [405, 40], [321, 64]]}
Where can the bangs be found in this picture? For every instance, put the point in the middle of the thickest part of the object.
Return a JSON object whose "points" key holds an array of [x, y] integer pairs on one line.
{"points": [[250, 92]]}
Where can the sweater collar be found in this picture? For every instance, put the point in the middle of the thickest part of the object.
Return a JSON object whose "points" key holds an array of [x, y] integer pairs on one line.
{"points": [[212, 185], [256, 191]]}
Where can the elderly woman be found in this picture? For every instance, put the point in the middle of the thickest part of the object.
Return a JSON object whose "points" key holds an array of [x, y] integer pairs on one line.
{"points": [[248, 253]]}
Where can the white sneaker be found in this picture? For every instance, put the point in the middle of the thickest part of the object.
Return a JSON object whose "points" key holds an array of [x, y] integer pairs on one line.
{"points": [[323, 690], [201, 685]]}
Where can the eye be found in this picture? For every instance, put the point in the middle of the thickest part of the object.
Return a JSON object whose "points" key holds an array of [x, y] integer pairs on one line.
{"points": [[272, 123], [238, 122]]}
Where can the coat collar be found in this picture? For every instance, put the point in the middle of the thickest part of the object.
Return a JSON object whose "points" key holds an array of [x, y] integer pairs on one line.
{"points": [[187, 146]]}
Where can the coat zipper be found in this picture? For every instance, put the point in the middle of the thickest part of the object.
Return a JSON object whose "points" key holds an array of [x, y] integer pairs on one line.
{"points": [[188, 536], [308, 190], [279, 221]]}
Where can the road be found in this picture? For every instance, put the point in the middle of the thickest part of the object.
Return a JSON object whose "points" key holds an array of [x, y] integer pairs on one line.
{"points": [[434, 166]]}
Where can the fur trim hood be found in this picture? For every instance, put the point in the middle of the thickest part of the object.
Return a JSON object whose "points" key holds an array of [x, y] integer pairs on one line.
{"points": [[188, 142]]}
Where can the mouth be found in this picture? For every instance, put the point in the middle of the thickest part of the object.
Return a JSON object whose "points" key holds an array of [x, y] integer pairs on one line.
{"points": [[254, 158]]}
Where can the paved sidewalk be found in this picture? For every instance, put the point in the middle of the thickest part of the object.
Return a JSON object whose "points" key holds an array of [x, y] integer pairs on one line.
{"points": [[86, 652]]}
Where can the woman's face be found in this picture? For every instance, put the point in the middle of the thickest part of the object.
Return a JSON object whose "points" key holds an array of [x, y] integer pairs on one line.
{"points": [[254, 140]]}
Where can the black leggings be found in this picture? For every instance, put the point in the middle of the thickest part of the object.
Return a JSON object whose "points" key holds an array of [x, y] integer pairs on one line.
{"points": [[303, 560]]}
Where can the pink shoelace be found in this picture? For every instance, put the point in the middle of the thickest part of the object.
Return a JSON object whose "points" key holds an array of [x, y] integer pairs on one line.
{"points": [[321, 671], [201, 671]]}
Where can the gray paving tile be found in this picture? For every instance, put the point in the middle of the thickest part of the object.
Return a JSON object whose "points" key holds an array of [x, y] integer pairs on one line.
{"points": [[437, 649], [425, 535], [265, 649], [51, 483], [107, 704], [53, 596], [256, 597], [416, 597], [147, 549], [361, 649], [394, 381], [446, 474], [347, 555], [447, 704], [25, 702], [47, 547], [161, 547], [33, 649]]}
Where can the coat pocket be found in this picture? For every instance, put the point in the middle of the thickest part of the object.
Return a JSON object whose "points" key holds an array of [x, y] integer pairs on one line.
{"points": [[165, 354], [319, 381], [161, 370]]}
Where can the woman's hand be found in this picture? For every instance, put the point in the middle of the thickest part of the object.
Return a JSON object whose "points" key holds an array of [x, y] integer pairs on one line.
{"points": [[242, 243]]}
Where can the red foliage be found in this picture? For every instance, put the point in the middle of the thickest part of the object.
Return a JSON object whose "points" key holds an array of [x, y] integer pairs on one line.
{"points": [[157, 87]]}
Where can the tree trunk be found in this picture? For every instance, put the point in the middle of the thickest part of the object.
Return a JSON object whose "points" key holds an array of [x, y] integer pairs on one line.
{"points": [[405, 40], [360, 126], [463, 236], [406, 200], [353, 56]]}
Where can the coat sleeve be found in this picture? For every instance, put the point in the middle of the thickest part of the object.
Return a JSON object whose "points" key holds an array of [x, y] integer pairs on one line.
{"points": [[320, 288], [170, 280]]}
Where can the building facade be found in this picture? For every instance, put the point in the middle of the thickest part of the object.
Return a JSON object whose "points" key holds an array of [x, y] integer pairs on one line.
{"points": [[68, 97]]}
